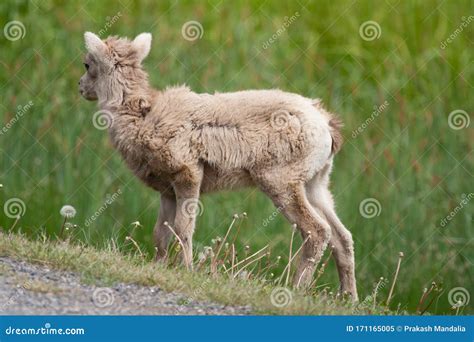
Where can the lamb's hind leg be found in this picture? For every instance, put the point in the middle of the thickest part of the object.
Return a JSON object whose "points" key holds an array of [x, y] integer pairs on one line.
{"points": [[341, 238], [290, 199], [162, 233]]}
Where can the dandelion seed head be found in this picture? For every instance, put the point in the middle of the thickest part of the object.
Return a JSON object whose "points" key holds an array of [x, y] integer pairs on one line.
{"points": [[68, 211]]}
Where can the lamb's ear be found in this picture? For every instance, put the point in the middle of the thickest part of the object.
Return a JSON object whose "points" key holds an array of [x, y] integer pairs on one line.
{"points": [[142, 44], [95, 45]]}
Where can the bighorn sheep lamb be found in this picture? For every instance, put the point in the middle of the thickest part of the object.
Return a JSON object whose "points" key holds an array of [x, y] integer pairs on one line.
{"points": [[183, 144]]}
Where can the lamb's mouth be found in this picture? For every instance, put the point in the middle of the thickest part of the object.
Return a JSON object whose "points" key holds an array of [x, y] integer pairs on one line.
{"points": [[87, 96]]}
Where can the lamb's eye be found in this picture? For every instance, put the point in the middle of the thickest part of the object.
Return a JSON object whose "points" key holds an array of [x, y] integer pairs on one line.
{"points": [[87, 66]]}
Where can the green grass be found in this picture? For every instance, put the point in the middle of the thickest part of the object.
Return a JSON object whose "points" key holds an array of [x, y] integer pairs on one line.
{"points": [[408, 157], [108, 266]]}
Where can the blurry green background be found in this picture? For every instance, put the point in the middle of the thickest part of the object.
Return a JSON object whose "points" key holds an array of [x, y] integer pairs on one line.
{"points": [[408, 157]]}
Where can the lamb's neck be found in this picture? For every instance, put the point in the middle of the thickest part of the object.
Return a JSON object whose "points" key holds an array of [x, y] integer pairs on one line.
{"points": [[126, 111], [134, 100], [125, 126]]}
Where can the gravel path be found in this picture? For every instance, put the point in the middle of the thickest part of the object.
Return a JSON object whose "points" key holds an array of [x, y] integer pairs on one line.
{"points": [[29, 289]]}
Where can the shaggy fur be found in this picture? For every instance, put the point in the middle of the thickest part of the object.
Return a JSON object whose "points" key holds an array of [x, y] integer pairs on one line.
{"points": [[183, 144]]}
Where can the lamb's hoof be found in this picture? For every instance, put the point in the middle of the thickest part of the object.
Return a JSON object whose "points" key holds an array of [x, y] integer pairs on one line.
{"points": [[350, 296]]}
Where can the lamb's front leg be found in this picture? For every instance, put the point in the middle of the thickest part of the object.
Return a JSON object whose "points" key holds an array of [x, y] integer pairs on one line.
{"points": [[187, 188], [162, 233]]}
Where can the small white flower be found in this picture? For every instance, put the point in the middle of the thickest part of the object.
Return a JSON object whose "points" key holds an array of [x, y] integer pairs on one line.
{"points": [[208, 251], [68, 211], [202, 257], [136, 224]]}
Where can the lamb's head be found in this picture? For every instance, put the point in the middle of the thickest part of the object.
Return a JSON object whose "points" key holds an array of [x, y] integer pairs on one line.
{"points": [[113, 67]]}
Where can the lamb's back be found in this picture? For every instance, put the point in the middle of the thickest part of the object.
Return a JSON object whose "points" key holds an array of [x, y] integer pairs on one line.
{"points": [[240, 129]]}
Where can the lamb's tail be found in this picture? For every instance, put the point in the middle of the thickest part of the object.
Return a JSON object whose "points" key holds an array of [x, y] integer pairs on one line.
{"points": [[335, 126]]}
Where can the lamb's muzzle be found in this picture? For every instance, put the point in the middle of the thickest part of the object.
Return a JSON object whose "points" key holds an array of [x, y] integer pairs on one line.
{"points": [[183, 144]]}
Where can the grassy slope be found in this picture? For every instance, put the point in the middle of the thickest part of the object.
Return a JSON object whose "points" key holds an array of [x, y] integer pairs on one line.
{"points": [[108, 266], [407, 158]]}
